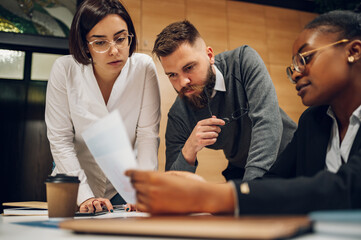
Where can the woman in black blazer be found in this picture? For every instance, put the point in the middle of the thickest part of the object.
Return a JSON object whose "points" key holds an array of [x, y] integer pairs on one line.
{"points": [[321, 166]]}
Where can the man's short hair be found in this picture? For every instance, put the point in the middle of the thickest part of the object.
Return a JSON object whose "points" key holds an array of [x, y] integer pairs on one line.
{"points": [[173, 36]]}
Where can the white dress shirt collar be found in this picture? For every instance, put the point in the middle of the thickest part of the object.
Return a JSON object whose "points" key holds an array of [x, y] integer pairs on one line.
{"points": [[336, 152], [220, 85]]}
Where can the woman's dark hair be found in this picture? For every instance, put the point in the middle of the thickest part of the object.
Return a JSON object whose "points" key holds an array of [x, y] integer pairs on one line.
{"points": [[346, 23], [89, 13]]}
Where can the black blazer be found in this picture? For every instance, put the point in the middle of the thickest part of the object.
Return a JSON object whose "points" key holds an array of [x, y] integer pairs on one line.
{"points": [[298, 183]]}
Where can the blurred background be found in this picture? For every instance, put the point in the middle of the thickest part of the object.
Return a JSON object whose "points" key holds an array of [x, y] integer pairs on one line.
{"points": [[33, 34]]}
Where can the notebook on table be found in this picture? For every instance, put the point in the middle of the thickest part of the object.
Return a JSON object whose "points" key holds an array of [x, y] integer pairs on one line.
{"points": [[342, 223], [195, 226], [31, 208]]}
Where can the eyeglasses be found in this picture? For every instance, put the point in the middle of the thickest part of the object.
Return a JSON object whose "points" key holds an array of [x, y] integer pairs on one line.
{"points": [[102, 46], [300, 60], [235, 115]]}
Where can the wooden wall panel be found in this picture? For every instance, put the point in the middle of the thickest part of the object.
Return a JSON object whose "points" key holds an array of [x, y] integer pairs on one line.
{"points": [[282, 27], [157, 14], [247, 26], [209, 17], [168, 95], [306, 17], [134, 9], [211, 163]]}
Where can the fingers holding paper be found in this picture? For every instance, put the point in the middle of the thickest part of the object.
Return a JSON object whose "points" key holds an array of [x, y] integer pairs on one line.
{"points": [[160, 193]]}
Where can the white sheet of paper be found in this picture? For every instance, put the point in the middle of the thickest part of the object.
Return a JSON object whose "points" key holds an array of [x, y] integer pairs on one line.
{"points": [[109, 144]]}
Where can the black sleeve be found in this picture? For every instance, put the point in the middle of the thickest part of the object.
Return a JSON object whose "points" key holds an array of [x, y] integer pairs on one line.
{"points": [[176, 135], [301, 195]]}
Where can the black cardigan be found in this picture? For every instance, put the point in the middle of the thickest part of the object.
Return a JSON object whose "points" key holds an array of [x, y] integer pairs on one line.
{"points": [[298, 183]]}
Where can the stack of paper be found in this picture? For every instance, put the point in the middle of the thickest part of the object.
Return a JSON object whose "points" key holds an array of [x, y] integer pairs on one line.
{"points": [[25, 208], [342, 223]]}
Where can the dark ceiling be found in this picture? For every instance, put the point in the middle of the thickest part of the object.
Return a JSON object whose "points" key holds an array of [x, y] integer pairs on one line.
{"points": [[302, 5], [318, 6]]}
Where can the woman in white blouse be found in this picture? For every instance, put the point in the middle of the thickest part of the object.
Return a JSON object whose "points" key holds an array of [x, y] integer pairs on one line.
{"points": [[101, 75]]}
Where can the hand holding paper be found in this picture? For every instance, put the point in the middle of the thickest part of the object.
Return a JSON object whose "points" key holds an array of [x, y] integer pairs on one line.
{"points": [[108, 142]]}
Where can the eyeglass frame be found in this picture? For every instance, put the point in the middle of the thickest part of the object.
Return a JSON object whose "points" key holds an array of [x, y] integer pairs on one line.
{"points": [[130, 36], [293, 67], [227, 120]]}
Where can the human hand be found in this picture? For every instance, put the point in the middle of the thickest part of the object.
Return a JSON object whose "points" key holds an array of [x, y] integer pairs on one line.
{"points": [[130, 207], [95, 205], [205, 133], [186, 175], [160, 193], [133, 207]]}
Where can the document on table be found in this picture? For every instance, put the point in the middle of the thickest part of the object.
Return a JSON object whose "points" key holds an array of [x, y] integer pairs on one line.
{"points": [[342, 223], [109, 144], [24, 211], [32, 208]]}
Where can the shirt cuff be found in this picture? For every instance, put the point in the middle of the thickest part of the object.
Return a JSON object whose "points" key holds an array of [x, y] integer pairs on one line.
{"points": [[253, 173], [182, 165], [84, 193]]}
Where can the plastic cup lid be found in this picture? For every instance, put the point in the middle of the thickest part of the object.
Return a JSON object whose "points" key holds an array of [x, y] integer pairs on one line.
{"points": [[62, 178]]}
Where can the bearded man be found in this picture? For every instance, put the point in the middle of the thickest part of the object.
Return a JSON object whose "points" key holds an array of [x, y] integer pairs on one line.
{"points": [[224, 102]]}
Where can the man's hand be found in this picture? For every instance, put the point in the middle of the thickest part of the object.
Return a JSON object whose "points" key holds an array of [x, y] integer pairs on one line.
{"points": [[160, 193], [205, 133]]}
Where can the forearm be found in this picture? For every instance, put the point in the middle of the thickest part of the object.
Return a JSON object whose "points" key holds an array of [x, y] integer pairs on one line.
{"points": [[189, 154], [66, 161], [217, 198], [264, 114], [265, 141]]}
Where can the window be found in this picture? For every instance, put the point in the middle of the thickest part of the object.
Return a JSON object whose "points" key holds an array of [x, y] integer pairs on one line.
{"points": [[41, 65], [12, 64]]}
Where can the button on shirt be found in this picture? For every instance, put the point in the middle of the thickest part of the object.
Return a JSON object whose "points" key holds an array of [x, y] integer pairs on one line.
{"points": [[336, 152]]}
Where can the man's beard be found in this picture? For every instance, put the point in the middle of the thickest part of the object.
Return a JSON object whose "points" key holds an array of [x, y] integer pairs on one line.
{"points": [[200, 100]]}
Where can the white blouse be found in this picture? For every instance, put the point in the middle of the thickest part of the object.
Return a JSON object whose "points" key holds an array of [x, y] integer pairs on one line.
{"points": [[74, 101], [337, 151]]}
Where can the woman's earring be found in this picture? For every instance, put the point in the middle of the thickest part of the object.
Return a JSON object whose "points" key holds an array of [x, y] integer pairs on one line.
{"points": [[351, 59]]}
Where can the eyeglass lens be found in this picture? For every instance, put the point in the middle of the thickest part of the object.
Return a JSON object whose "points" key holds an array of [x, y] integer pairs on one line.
{"points": [[289, 74], [122, 41], [235, 115], [298, 64]]}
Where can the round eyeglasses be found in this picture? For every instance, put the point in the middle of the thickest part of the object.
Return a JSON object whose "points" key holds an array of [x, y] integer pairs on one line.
{"points": [[102, 46], [234, 116], [300, 60]]}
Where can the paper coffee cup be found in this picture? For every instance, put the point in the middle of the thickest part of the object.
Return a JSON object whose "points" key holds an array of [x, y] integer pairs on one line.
{"points": [[61, 194]]}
